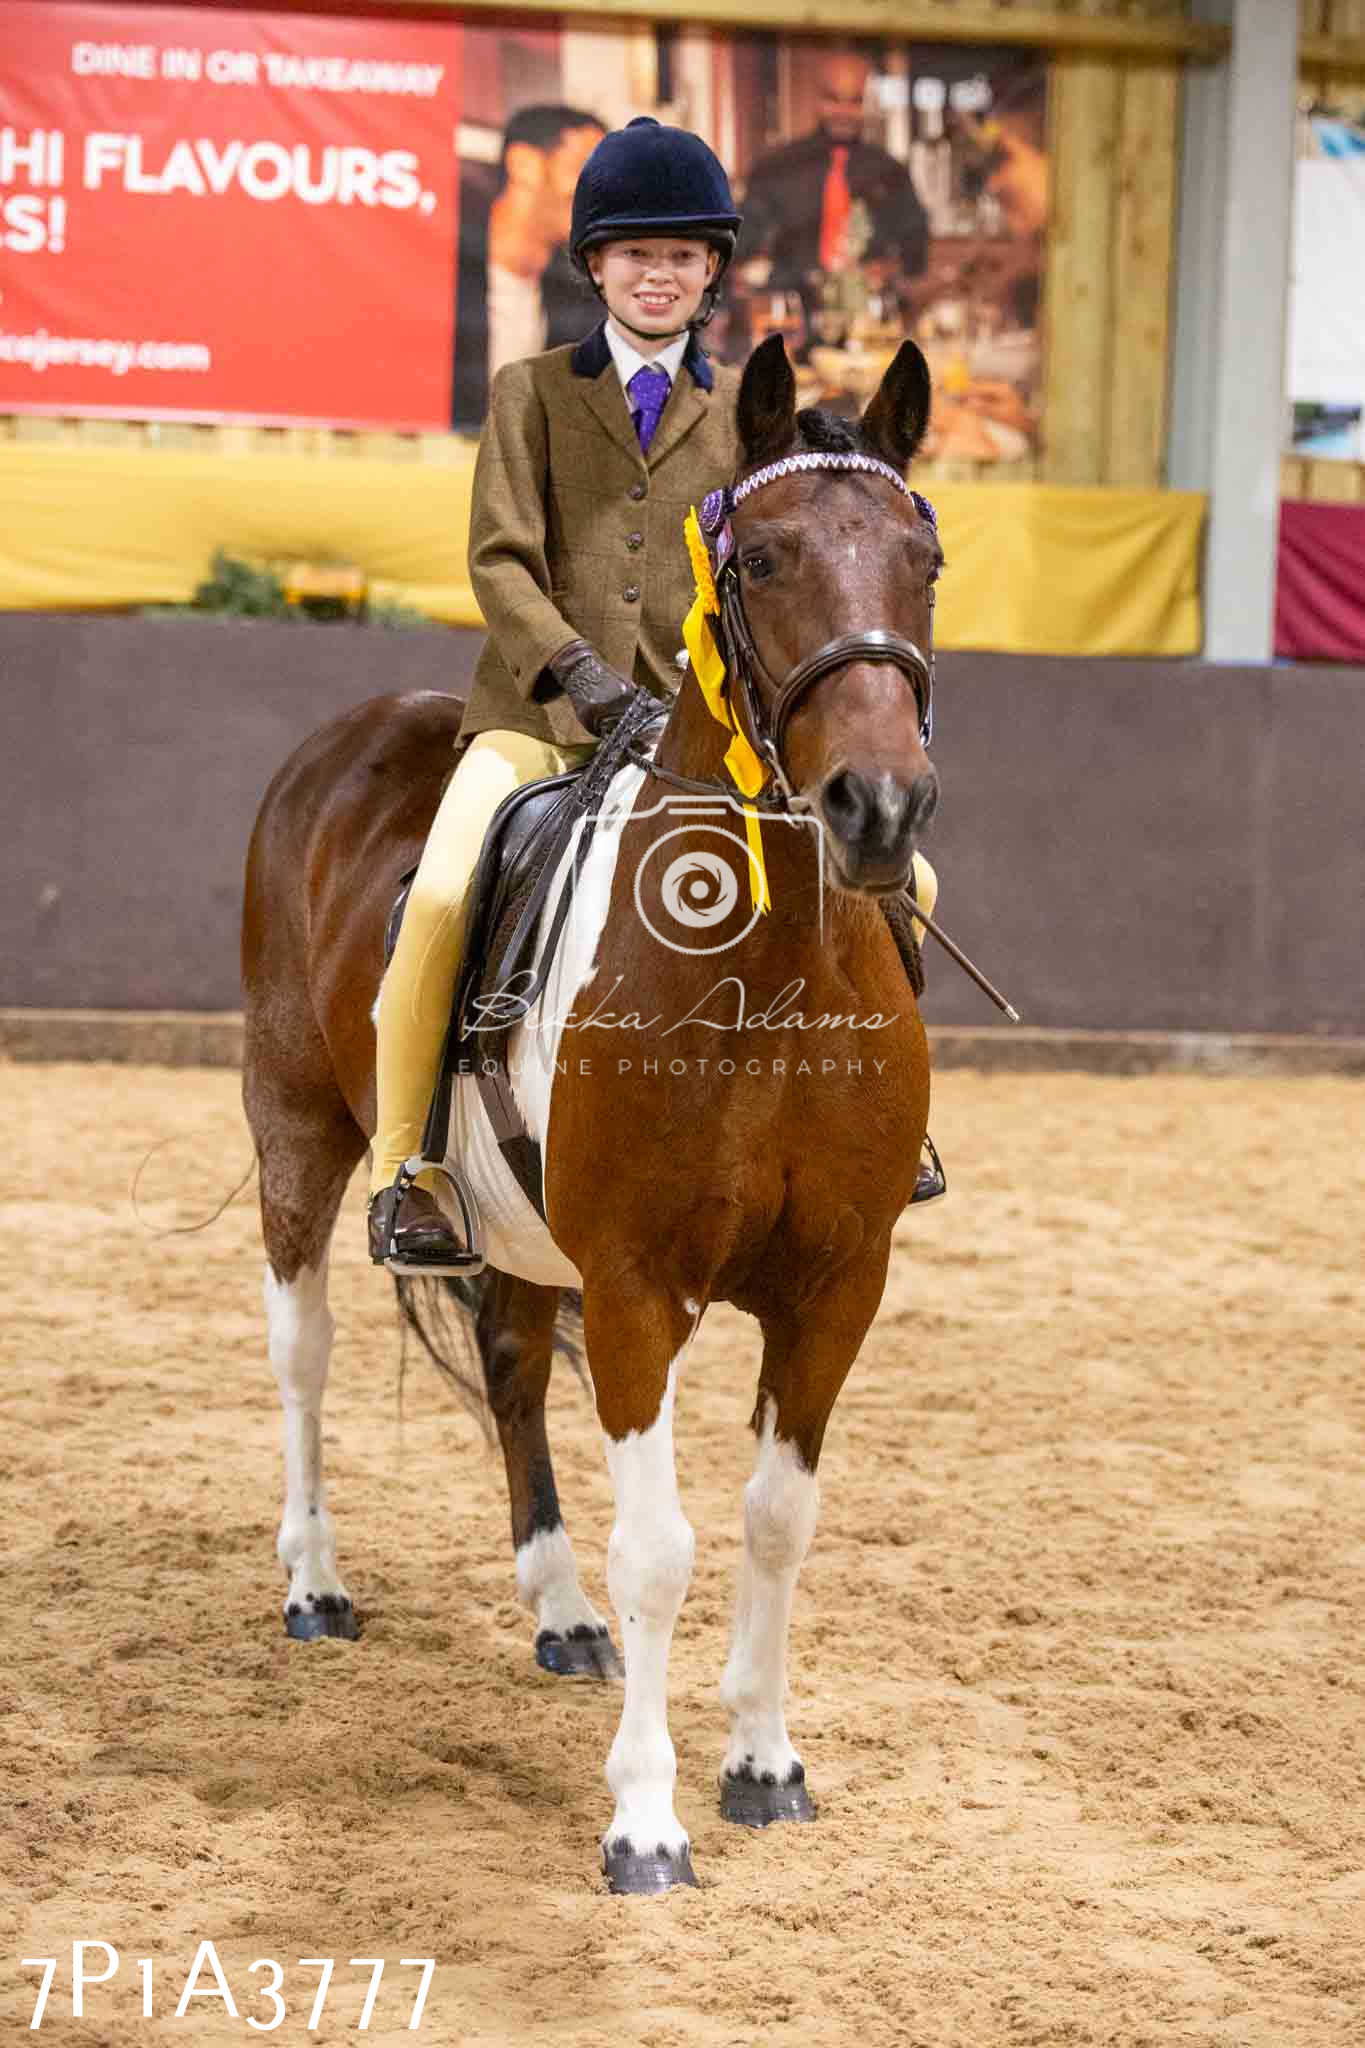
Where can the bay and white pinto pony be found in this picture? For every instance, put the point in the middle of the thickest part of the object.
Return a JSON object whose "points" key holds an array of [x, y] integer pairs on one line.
{"points": [[729, 1101]]}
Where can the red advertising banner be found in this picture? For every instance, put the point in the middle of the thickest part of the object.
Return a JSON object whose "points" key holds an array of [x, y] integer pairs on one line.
{"points": [[215, 214]]}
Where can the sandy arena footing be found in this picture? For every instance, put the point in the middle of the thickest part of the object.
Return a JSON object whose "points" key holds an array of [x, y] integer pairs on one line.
{"points": [[1076, 1659]]}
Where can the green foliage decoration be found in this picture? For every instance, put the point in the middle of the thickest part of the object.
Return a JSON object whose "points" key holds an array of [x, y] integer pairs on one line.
{"points": [[243, 590], [238, 589]]}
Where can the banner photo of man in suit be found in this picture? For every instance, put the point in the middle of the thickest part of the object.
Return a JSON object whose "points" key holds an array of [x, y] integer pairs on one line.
{"points": [[831, 200], [888, 188]]}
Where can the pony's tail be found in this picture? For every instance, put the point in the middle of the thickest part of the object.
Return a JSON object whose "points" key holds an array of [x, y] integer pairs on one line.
{"points": [[442, 1313]]}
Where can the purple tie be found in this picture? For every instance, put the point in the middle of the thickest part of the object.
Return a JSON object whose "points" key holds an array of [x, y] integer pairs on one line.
{"points": [[648, 392]]}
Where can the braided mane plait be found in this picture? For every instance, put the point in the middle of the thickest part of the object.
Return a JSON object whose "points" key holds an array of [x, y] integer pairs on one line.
{"points": [[826, 432]]}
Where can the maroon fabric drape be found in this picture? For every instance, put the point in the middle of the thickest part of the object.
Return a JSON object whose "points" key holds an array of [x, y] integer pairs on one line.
{"points": [[1320, 583]]}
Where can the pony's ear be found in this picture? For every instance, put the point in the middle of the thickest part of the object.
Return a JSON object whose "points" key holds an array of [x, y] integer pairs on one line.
{"points": [[766, 415], [894, 423]]}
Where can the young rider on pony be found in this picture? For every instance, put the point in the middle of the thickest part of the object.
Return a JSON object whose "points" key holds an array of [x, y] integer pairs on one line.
{"points": [[589, 462]]}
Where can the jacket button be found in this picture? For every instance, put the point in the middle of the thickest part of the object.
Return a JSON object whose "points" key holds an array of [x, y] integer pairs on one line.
{"points": [[637, 491], [635, 540], [631, 593]]}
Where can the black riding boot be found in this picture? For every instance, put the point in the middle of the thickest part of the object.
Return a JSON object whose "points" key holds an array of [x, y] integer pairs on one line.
{"points": [[410, 1233]]}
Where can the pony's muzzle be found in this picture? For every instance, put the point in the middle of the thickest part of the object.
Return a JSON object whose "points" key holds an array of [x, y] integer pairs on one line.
{"points": [[874, 823]]}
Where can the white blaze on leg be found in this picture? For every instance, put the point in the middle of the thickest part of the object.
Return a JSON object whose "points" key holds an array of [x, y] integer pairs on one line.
{"points": [[649, 1563], [300, 1330], [547, 1581], [780, 1505]]}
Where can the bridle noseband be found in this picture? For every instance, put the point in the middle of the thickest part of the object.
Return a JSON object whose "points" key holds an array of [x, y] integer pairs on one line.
{"points": [[742, 659]]}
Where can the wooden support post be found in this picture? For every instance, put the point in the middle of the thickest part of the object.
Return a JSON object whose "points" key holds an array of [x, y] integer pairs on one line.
{"points": [[1083, 114], [1143, 263]]}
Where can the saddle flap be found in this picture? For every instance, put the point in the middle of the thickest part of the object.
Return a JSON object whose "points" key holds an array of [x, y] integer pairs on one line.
{"points": [[500, 870], [521, 855], [526, 833]]}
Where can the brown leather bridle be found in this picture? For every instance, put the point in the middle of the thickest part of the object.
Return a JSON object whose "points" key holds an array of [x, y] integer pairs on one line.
{"points": [[744, 665]]}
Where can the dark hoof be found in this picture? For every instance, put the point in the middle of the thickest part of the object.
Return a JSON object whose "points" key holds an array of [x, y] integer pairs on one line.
{"points": [[325, 1616], [642, 1872], [582, 1653], [757, 1801]]}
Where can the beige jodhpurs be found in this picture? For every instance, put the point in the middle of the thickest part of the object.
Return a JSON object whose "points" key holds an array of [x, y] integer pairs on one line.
{"points": [[414, 1002]]}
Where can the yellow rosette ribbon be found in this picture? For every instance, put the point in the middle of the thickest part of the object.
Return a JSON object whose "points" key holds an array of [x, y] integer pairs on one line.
{"points": [[745, 769]]}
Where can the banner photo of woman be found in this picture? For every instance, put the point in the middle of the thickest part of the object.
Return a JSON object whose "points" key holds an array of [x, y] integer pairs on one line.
{"points": [[888, 188]]}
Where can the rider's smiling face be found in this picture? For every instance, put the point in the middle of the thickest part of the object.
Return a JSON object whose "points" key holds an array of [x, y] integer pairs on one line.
{"points": [[653, 284]]}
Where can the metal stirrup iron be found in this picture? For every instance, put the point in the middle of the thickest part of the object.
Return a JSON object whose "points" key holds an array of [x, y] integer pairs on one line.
{"points": [[469, 1216]]}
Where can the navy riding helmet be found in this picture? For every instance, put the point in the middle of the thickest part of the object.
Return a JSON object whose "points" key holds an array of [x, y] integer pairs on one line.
{"points": [[645, 179]]}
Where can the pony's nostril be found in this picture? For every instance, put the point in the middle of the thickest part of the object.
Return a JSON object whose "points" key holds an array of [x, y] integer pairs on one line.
{"points": [[845, 801], [923, 800]]}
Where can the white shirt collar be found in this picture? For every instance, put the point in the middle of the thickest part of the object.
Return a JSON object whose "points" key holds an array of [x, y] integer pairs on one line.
{"points": [[628, 359]]}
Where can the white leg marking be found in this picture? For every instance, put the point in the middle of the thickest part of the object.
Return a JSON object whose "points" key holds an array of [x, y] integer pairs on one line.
{"points": [[780, 1506], [649, 1564], [300, 1328], [547, 1582]]}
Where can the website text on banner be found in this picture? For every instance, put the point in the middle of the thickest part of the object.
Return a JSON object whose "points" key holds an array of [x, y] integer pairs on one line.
{"points": [[220, 215]]}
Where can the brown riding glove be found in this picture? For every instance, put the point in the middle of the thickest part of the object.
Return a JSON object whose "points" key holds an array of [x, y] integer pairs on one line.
{"points": [[600, 694]]}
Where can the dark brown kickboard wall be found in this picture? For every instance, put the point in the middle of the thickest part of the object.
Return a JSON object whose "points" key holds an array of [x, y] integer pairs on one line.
{"points": [[1121, 845]]}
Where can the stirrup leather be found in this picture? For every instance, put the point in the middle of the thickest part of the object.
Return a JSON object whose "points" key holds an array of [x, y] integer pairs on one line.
{"points": [[474, 1260]]}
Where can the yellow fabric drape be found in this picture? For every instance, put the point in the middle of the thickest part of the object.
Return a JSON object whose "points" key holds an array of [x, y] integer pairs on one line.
{"points": [[742, 764], [1058, 569], [86, 527], [1033, 568]]}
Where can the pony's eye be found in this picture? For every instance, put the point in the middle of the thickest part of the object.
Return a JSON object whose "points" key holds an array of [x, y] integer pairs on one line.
{"points": [[757, 567]]}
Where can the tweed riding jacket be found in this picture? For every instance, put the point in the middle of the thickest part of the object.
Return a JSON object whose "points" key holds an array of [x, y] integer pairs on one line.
{"points": [[577, 533]]}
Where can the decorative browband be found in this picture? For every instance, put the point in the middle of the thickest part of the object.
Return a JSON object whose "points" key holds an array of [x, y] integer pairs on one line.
{"points": [[717, 506], [790, 464]]}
